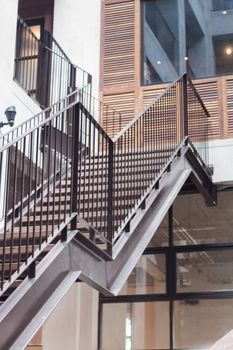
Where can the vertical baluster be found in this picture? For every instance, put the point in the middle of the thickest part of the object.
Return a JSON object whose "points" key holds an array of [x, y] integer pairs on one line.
{"points": [[98, 176], [22, 188], [74, 187], [44, 132], [60, 156], [13, 204], [36, 166], [8, 163], [48, 155], [110, 168], [53, 195], [30, 164], [66, 159]]}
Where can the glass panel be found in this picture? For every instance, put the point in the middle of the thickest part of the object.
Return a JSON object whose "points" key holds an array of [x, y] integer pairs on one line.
{"points": [[186, 35], [148, 276], [161, 238], [133, 326], [219, 5], [36, 29], [205, 271], [160, 34], [195, 223], [200, 323], [26, 73], [223, 48]]}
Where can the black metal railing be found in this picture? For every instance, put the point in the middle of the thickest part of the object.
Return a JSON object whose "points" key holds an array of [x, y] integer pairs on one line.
{"points": [[40, 117], [143, 149], [67, 168], [198, 122], [43, 69], [31, 173]]}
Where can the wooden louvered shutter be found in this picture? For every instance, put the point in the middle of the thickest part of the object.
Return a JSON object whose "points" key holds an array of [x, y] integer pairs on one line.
{"points": [[118, 62], [208, 90], [150, 94], [229, 98], [118, 47]]}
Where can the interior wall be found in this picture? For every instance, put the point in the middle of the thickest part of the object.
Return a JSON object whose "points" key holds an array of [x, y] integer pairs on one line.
{"points": [[73, 325], [77, 30], [11, 93]]}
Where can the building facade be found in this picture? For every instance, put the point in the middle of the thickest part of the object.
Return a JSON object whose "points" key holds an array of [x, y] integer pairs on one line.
{"points": [[180, 294], [147, 45]]}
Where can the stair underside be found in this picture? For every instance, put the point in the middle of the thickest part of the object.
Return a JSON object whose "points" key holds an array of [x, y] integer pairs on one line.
{"points": [[32, 302]]}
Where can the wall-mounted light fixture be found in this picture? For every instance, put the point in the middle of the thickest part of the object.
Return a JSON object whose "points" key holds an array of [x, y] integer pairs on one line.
{"points": [[10, 113]]}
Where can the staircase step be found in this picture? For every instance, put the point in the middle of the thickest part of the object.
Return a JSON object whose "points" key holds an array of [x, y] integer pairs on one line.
{"points": [[14, 250]]}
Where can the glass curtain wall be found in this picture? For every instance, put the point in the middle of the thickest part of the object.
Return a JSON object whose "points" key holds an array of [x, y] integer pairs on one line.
{"points": [[186, 35], [180, 294]]}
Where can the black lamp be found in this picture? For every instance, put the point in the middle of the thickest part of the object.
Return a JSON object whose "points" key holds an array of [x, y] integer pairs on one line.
{"points": [[10, 113]]}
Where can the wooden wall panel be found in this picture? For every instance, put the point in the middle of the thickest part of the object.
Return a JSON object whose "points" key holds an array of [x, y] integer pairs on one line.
{"points": [[208, 91], [123, 104], [120, 73], [119, 44], [149, 95], [229, 97]]}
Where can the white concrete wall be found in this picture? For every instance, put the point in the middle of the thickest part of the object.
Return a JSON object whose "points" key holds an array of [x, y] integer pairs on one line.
{"points": [[11, 94], [221, 157], [77, 30], [73, 324]]}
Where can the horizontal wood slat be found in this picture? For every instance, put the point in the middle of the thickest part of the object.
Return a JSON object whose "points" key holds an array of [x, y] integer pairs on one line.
{"points": [[209, 94], [119, 46], [121, 71], [123, 104], [165, 115], [150, 95], [229, 93]]}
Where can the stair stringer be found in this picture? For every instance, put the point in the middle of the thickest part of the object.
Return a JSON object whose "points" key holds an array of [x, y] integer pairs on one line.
{"points": [[23, 313]]}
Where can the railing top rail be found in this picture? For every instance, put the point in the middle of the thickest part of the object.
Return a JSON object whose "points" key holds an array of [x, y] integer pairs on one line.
{"points": [[65, 57], [43, 122], [131, 122], [46, 47], [44, 111], [198, 97], [95, 99], [55, 41], [96, 124], [53, 116]]}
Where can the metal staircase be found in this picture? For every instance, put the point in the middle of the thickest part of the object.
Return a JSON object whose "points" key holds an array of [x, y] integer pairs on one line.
{"points": [[77, 204]]}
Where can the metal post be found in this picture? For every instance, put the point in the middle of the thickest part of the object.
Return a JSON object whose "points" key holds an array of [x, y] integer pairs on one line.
{"points": [[110, 198], [43, 74], [72, 77], [74, 159], [185, 105]]}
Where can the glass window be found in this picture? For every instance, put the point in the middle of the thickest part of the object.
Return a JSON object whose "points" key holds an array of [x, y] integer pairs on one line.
{"points": [[160, 37], [26, 67], [195, 223], [131, 326], [186, 36], [204, 271], [219, 5], [160, 238], [200, 323], [148, 276]]}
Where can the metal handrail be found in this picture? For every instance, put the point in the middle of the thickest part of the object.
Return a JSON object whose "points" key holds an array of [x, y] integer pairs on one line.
{"points": [[36, 119], [68, 165], [137, 117], [43, 69]]}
